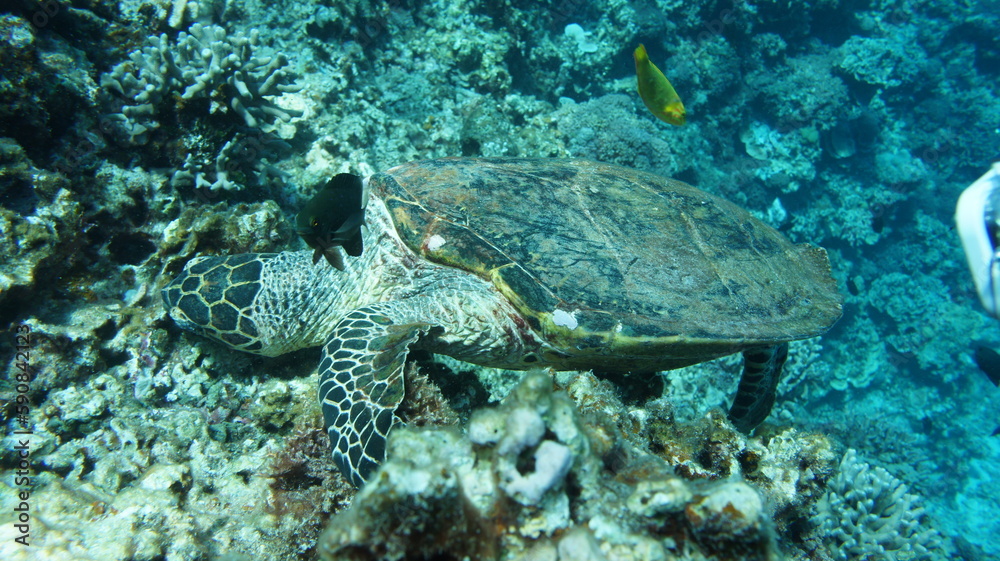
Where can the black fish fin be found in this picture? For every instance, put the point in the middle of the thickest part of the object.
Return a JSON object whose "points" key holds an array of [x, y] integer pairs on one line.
{"points": [[346, 182], [334, 258], [351, 225], [355, 245], [355, 220]]}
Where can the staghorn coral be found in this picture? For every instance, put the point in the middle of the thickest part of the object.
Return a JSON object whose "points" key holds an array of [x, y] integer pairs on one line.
{"points": [[186, 11], [869, 515]]}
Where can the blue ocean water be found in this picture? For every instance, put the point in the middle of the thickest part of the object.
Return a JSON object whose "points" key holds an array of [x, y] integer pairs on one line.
{"points": [[137, 135]]}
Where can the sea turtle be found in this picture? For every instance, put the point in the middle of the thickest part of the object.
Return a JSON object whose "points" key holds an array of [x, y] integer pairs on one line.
{"points": [[519, 263]]}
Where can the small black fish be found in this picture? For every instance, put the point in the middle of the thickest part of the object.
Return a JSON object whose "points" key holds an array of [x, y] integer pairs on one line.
{"points": [[988, 361], [334, 218], [996, 431]]}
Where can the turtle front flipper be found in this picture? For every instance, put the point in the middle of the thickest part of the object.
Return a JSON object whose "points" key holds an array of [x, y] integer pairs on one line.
{"points": [[361, 384], [758, 386]]}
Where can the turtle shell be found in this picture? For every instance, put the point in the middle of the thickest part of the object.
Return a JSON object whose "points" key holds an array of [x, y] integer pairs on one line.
{"points": [[601, 258]]}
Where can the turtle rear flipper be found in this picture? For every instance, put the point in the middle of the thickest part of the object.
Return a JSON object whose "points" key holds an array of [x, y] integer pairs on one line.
{"points": [[758, 386], [361, 384]]}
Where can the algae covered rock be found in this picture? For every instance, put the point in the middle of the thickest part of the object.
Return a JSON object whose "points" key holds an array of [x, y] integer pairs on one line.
{"points": [[542, 476]]}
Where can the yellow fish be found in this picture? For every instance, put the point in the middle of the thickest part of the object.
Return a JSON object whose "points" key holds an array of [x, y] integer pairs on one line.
{"points": [[656, 91]]}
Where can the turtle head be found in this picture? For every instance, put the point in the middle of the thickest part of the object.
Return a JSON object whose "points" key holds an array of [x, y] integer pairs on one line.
{"points": [[333, 218], [254, 302]]}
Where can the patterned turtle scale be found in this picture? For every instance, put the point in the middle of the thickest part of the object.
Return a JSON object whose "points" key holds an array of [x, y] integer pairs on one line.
{"points": [[637, 259]]}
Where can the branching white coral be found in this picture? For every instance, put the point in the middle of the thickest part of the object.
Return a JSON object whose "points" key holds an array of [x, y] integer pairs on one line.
{"points": [[867, 514], [204, 62]]}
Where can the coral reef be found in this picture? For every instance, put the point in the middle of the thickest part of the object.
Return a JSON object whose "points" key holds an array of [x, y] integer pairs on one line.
{"points": [[219, 73], [805, 92], [41, 219], [184, 12], [44, 84], [882, 61], [608, 130], [121, 483], [791, 155]]}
